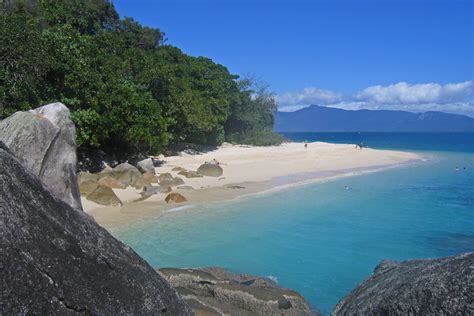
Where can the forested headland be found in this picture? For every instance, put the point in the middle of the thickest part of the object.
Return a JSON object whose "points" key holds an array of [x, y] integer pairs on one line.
{"points": [[128, 91]]}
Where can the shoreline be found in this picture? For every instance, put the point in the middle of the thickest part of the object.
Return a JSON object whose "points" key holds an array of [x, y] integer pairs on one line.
{"points": [[269, 177]]}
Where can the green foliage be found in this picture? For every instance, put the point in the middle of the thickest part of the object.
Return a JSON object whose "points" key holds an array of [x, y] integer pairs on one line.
{"points": [[258, 137], [126, 90], [22, 62], [251, 119]]}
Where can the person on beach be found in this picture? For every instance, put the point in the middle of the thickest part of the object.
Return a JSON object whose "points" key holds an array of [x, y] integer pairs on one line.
{"points": [[305, 144]]}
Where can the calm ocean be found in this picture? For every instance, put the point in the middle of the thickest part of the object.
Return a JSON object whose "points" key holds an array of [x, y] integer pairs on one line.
{"points": [[320, 239]]}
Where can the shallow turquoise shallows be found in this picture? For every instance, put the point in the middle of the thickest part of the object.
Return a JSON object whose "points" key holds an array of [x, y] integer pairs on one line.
{"points": [[321, 239]]}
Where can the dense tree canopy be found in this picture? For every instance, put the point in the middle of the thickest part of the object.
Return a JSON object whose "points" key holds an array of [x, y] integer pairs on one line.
{"points": [[126, 89]]}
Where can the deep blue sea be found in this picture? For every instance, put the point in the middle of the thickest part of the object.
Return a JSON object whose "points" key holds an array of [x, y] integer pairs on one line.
{"points": [[320, 239]]}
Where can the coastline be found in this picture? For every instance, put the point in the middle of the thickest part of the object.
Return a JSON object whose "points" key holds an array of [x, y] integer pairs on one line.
{"points": [[250, 171]]}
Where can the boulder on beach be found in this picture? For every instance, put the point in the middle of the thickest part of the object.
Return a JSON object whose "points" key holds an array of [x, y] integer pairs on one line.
{"points": [[417, 287], [210, 170], [87, 182], [234, 294], [126, 174], [146, 166], [175, 198], [144, 180], [58, 261], [44, 140], [150, 177], [104, 196], [109, 181], [172, 183]]}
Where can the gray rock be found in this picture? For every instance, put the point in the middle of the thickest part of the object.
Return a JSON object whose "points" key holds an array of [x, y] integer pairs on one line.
{"points": [[104, 196], [173, 182], [146, 166], [44, 140], [110, 181], [210, 170], [215, 291], [126, 174], [57, 261], [417, 287], [87, 182], [145, 180]]}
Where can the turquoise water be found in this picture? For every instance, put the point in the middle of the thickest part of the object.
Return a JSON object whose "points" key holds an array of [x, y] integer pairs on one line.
{"points": [[320, 239]]}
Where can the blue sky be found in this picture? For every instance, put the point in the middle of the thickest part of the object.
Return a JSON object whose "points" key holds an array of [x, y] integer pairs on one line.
{"points": [[395, 54]]}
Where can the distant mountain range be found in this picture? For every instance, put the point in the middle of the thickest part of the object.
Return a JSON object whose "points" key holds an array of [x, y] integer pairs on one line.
{"points": [[324, 119]]}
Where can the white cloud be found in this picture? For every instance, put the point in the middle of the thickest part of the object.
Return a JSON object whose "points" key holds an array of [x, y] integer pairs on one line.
{"points": [[309, 96], [404, 93], [451, 97]]}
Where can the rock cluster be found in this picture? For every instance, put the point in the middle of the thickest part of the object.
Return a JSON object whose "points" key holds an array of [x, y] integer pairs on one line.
{"points": [[58, 261], [44, 140], [214, 291], [98, 187], [417, 287]]}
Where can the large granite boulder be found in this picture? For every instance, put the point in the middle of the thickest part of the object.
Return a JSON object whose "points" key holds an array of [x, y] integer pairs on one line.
{"points": [[214, 291], [417, 287], [210, 170], [104, 196], [44, 140], [126, 174], [146, 166], [87, 182], [57, 261]]}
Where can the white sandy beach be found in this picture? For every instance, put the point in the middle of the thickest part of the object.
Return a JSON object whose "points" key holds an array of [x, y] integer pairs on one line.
{"points": [[253, 170]]}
